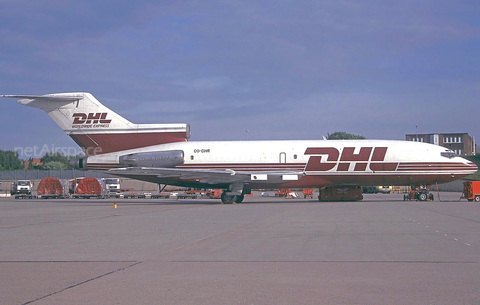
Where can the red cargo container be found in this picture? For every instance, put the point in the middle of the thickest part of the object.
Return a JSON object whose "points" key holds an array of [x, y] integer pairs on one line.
{"points": [[344, 193], [471, 190], [88, 187], [51, 187]]}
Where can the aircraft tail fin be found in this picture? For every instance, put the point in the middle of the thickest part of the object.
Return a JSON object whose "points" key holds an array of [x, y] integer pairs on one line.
{"points": [[96, 128]]}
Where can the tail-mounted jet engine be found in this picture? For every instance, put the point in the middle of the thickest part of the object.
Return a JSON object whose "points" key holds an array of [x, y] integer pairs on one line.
{"points": [[170, 158], [79, 163]]}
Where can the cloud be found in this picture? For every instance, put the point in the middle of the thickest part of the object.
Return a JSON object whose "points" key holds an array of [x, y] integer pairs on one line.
{"points": [[295, 69]]}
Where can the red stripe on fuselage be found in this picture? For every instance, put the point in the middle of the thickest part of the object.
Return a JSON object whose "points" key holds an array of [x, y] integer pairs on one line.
{"points": [[447, 166]]}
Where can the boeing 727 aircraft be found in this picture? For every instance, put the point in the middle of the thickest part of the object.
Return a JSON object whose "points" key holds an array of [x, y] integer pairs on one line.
{"points": [[161, 153]]}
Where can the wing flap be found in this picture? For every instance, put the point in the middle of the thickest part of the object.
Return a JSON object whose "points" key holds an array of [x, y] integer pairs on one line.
{"points": [[203, 176]]}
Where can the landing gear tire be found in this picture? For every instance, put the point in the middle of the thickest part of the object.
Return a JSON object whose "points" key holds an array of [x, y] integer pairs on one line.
{"points": [[228, 199], [422, 197], [239, 198]]}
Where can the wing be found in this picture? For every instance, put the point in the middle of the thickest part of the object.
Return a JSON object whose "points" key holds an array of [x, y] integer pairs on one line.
{"points": [[204, 176]]}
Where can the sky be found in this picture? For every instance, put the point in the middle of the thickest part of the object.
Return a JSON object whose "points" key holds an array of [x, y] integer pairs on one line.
{"points": [[237, 70]]}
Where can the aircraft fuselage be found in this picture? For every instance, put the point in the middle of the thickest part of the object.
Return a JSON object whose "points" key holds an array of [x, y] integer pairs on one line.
{"points": [[321, 162]]}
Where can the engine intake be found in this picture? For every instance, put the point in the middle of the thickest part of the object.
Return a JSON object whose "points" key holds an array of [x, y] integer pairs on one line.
{"points": [[170, 158]]}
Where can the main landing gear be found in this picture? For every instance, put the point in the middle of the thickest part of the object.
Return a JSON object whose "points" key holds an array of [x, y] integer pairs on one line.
{"points": [[229, 199], [234, 193]]}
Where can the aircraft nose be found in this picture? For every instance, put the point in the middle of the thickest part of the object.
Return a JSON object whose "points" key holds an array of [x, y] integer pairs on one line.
{"points": [[471, 166]]}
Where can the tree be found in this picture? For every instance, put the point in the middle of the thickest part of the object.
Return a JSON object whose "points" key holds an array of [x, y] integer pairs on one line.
{"points": [[342, 135], [55, 165], [55, 161], [9, 160]]}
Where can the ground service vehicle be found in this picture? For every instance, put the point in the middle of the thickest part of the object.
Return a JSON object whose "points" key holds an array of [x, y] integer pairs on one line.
{"points": [[214, 194], [471, 190], [282, 193], [112, 185], [384, 189], [22, 189], [307, 193], [420, 194]]}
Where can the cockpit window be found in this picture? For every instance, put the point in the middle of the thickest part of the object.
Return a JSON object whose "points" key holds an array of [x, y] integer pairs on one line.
{"points": [[449, 154]]}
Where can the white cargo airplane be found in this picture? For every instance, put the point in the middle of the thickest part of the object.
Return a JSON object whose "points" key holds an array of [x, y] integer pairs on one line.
{"points": [[161, 153]]}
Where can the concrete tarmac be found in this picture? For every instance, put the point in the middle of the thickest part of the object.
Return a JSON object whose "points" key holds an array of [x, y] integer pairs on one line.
{"points": [[382, 250]]}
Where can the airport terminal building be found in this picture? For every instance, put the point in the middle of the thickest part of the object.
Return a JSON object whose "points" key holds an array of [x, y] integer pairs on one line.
{"points": [[460, 143]]}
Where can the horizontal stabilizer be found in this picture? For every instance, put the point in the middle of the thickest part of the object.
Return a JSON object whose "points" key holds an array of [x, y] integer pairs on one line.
{"points": [[48, 97]]}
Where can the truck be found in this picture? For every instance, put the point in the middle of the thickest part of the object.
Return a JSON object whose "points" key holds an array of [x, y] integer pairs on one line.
{"points": [[340, 193], [51, 187], [112, 184], [22, 189], [471, 190]]}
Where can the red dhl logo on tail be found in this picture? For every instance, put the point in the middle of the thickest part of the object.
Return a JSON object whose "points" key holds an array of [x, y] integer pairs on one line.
{"points": [[366, 156], [91, 118]]}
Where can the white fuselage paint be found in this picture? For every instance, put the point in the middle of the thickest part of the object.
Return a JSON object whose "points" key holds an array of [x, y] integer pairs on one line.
{"points": [[362, 162]]}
